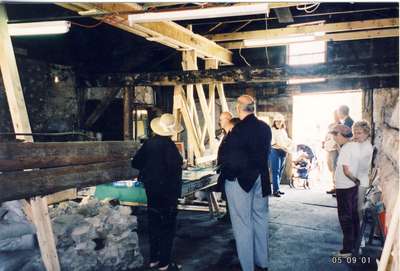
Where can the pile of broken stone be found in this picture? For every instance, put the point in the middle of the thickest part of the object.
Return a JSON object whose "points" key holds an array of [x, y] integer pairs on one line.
{"points": [[95, 236], [91, 236]]}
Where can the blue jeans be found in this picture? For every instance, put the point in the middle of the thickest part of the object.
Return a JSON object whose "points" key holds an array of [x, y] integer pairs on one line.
{"points": [[277, 160], [249, 217]]}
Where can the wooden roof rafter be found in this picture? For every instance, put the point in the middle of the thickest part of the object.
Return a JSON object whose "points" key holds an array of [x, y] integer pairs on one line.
{"points": [[307, 29], [167, 33]]}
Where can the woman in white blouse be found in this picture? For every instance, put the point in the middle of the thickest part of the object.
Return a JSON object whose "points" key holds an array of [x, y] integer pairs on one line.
{"points": [[281, 144], [361, 132]]}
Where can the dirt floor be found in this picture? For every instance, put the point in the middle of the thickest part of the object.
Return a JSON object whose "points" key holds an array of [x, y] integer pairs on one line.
{"points": [[303, 234]]}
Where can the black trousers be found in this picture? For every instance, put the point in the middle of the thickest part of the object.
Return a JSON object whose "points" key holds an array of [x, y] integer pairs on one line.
{"points": [[162, 211], [347, 200]]}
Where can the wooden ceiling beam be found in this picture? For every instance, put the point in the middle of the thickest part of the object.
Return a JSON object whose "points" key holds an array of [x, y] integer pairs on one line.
{"points": [[169, 33], [307, 29], [355, 35], [238, 75]]}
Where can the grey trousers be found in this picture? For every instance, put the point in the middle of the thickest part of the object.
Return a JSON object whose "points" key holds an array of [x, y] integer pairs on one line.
{"points": [[249, 217]]}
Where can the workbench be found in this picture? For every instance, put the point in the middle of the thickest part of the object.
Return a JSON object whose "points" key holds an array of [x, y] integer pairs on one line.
{"points": [[193, 179]]}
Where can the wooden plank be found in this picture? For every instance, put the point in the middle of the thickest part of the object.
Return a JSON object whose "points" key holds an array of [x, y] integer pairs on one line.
{"points": [[210, 64], [332, 27], [222, 98], [19, 116], [189, 63], [171, 34], [47, 244], [17, 156], [99, 110], [245, 75], [61, 196], [11, 80], [206, 112], [345, 36], [192, 135], [128, 122], [24, 184]]}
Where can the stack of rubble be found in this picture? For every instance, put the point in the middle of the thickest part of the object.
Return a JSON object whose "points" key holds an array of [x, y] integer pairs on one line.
{"points": [[95, 236], [18, 246]]}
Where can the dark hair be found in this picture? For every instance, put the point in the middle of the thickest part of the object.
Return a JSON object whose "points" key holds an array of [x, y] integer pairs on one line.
{"points": [[283, 126], [234, 121]]}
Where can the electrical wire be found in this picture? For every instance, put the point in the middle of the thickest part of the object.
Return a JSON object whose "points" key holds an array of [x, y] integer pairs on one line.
{"points": [[308, 8], [244, 59], [105, 19], [93, 25], [266, 48]]}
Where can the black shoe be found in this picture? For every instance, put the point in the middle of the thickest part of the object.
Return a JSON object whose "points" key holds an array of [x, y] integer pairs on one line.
{"points": [[276, 194], [281, 193], [332, 191], [334, 195]]}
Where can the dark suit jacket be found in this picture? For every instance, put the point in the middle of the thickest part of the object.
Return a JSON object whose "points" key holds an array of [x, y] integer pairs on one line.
{"points": [[247, 155], [222, 162], [160, 166]]}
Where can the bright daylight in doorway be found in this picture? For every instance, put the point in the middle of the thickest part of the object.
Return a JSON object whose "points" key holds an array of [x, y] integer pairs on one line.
{"points": [[312, 114]]}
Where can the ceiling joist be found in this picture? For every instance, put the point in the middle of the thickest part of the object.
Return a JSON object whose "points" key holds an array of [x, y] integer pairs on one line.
{"points": [[167, 33], [307, 29], [355, 35]]}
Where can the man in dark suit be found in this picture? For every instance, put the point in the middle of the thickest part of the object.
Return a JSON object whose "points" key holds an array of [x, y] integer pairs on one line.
{"points": [[247, 160]]}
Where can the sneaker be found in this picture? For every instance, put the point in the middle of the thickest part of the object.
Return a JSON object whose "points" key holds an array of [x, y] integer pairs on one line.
{"points": [[342, 253], [281, 193], [276, 194], [332, 191]]}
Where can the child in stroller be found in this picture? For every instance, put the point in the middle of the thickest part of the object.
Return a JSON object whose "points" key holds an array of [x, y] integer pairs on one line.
{"points": [[301, 167]]}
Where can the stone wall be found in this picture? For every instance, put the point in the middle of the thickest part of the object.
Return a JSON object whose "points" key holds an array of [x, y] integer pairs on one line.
{"points": [[50, 97], [386, 140]]}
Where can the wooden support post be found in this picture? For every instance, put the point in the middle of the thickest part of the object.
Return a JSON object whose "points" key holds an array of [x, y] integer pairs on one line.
{"points": [[189, 63], [19, 116], [176, 109], [11, 80], [222, 99], [211, 64], [128, 128], [206, 112], [193, 139]]}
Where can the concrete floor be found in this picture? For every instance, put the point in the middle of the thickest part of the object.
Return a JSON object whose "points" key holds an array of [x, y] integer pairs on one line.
{"points": [[304, 232]]}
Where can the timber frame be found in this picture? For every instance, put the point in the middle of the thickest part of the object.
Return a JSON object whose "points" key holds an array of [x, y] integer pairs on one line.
{"points": [[309, 29], [246, 75], [37, 208], [167, 33], [184, 107]]}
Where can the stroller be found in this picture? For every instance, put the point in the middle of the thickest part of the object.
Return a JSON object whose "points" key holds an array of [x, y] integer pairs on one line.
{"points": [[302, 165]]}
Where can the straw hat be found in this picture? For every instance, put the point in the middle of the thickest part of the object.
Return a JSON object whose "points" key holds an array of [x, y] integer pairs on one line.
{"points": [[279, 117], [165, 125]]}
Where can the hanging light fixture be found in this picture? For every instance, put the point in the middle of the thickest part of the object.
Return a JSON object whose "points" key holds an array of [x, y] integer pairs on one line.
{"points": [[200, 13], [39, 28]]}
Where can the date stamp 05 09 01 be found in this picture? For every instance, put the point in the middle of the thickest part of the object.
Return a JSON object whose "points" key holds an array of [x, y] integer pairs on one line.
{"points": [[351, 260]]}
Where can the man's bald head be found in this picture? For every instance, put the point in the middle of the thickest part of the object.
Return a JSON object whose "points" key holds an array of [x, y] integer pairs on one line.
{"points": [[245, 106]]}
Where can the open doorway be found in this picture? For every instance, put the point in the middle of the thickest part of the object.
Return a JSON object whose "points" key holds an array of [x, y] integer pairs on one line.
{"points": [[312, 114]]}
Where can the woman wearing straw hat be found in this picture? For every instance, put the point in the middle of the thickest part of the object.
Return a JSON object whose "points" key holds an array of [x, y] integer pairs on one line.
{"points": [[281, 144], [160, 166]]}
